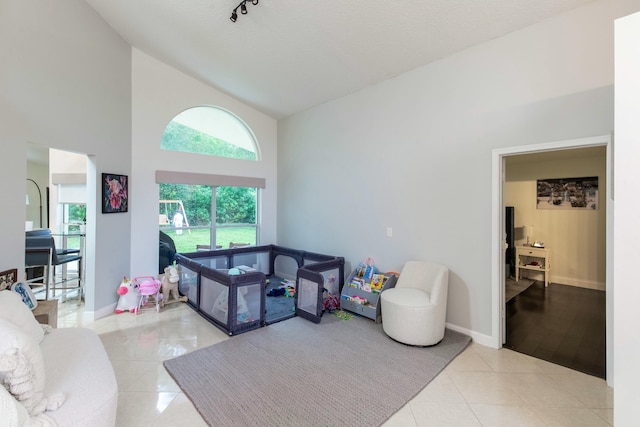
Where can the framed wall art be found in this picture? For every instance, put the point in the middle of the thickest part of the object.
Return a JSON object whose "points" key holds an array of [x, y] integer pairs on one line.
{"points": [[115, 193], [8, 278], [567, 193]]}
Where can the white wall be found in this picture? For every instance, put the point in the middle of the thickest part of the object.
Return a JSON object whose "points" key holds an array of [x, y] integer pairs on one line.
{"points": [[159, 94], [414, 152], [576, 238], [627, 213], [65, 83]]}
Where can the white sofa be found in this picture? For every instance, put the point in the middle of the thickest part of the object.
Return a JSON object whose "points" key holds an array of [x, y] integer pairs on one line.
{"points": [[52, 377]]}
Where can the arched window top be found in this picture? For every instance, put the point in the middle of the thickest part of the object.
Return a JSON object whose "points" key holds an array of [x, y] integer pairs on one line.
{"points": [[212, 131]]}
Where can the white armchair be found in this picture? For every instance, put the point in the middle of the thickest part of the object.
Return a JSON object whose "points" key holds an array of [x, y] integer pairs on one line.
{"points": [[414, 311]]}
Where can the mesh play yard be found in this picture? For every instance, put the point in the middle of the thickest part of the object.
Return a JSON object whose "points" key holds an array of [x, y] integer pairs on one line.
{"points": [[245, 288]]}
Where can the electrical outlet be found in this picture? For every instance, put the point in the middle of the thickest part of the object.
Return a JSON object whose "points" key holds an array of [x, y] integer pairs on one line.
{"points": [[572, 271], [389, 232]]}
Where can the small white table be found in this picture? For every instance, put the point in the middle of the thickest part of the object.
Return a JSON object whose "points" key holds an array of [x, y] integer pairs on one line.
{"points": [[534, 259]]}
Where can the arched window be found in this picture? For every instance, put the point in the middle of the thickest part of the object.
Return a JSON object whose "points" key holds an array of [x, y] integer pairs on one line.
{"points": [[211, 131]]}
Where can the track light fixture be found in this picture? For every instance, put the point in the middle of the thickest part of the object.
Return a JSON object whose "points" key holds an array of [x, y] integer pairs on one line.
{"points": [[243, 9]]}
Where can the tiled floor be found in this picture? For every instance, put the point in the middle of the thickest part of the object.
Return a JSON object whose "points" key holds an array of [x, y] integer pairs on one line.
{"points": [[481, 387]]}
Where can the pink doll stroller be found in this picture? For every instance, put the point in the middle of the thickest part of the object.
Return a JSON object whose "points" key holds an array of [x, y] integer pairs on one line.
{"points": [[148, 286]]}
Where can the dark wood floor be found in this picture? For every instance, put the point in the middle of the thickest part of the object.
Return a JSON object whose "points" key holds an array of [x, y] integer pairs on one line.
{"points": [[562, 324]]}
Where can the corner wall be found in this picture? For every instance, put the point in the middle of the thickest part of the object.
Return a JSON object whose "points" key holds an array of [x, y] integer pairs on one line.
{"points": [[65, 83], [414, 152]]}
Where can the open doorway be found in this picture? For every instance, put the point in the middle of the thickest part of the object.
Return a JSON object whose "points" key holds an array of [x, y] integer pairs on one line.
{"points": [[555, 296], [62, 179], [500, 273]]}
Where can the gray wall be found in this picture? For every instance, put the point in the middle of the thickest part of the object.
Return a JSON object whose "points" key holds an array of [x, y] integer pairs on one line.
{"points": [[414, 152], [65, 83]]}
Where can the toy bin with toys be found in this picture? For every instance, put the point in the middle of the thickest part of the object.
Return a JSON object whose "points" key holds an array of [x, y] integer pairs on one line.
{"points": [[361, 295]]}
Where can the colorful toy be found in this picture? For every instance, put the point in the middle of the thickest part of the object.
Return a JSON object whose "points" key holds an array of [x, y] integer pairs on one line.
{"points": [[377, 281], [358, 300], [289, 287], [341, 314], [129, 297], [148, 287], [169, 282], [330, 302]]}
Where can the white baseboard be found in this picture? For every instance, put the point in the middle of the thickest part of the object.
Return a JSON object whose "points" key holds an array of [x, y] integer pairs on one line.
{"points": [[579, 283], [100, 313], [477, 337]]}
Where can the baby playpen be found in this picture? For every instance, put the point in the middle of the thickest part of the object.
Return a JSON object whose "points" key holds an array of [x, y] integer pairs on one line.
{"points": [[228, 287]]}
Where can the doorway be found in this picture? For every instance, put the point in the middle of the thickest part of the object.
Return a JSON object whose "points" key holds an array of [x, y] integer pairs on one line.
{"points": [[67, 201], [499, 274]]}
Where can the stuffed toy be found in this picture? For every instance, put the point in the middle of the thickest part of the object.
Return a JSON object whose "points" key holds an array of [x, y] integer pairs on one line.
{"points": [[129, 297], [169, 282]]}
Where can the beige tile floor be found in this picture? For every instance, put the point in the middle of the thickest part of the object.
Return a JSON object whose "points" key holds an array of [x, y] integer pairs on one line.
{"points": [[481, 387]]}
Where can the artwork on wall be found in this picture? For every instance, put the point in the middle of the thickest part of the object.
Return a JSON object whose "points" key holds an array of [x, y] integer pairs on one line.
{"points": [[8, 278], [567, 193], [115, 193]]}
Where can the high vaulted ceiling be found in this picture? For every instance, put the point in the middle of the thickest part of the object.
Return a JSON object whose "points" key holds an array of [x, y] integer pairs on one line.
{"points": [[285, 56]]}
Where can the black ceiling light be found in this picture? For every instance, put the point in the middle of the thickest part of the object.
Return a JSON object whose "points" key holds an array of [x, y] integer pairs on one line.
{"points": [[243, 9]]}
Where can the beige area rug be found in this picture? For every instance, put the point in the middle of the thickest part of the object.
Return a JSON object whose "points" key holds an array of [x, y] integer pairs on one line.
{"points": [[297, 373], [513, 288]]}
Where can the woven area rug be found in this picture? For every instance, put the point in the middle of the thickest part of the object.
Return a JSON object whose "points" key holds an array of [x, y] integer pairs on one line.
{"points": [[513, 288], [298, 373]]}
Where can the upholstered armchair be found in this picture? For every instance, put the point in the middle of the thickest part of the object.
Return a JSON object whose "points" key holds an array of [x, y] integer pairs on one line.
{"points": [[414, 311]]}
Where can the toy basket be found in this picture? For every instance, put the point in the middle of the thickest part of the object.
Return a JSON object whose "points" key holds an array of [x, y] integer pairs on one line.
{"points": [[148, 286]]}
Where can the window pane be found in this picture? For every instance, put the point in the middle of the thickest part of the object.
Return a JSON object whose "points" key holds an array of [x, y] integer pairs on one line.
{"points": [[185, 216], [211, 131], [70, 217], [236, 216]]}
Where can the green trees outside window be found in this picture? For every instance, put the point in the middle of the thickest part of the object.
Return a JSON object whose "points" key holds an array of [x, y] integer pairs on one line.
{"points": [[199, 215], [235, 215]]}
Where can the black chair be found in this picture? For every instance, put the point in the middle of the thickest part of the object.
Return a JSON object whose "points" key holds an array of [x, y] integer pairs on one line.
{"points": [[45, 232], [40, 251], [166, 252]]}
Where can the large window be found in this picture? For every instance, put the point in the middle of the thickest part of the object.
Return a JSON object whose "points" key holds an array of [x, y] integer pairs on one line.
{"points": [[201, 211], [211, 131], [203, 217]]}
